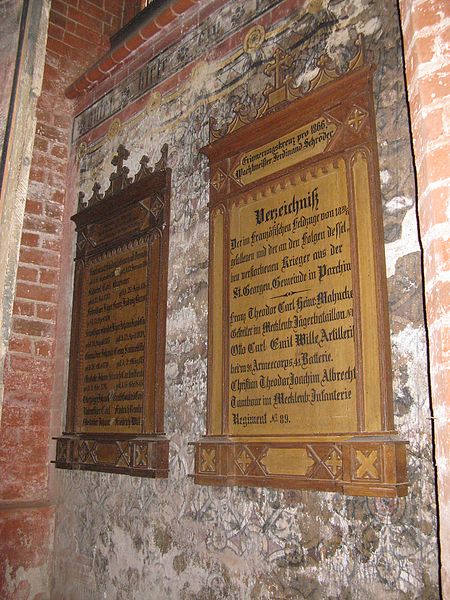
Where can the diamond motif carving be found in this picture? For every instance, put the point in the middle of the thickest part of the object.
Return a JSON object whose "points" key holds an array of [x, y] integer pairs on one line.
{"points": [[244, 460], [218, 179], [157, 209], [334, 462], [356, 118]]}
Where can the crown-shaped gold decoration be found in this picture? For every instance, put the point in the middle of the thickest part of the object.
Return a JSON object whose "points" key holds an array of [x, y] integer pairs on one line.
{"points": [[282, 89]]}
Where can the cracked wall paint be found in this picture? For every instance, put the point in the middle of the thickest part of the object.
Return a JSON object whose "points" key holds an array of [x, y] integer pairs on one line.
{"points": [[132, 539]]}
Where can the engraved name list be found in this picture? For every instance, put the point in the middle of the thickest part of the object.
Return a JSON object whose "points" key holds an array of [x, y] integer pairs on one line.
{"points": [[112, 343], [115, 405], [291, 326]]}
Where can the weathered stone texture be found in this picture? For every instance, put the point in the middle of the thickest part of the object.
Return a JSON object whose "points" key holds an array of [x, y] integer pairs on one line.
{"points": [[136, 539]]}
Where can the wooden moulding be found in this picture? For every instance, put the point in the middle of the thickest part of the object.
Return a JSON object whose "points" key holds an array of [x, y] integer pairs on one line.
{"points": [[299, 363], [356, 467], [115, 406]]}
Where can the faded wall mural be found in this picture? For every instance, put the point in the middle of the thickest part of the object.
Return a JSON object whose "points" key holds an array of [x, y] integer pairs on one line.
{"points": [[135, 539]]}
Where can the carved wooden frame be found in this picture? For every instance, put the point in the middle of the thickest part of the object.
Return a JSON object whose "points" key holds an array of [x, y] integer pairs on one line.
{"points": [[372, 460], [133, 212]]}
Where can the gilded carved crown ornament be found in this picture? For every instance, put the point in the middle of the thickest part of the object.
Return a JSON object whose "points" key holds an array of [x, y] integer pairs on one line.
{"points": [[282, 88], [119, 179]]}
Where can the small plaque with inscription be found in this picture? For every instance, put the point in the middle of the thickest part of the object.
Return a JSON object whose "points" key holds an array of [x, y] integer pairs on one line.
{"points": [[299, 388], [115, 412]]}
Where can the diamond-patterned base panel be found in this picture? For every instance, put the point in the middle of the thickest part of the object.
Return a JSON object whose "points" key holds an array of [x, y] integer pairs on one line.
{"points": [[140, 457], [357, 468]]}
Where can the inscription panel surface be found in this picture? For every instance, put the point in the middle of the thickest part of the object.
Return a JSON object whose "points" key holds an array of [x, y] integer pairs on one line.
{"points": [[112, 341], [291, 326], [296, 146]]}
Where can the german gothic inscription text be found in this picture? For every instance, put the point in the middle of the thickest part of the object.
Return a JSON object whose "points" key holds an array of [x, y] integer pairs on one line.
{"points": [[291, 329]]}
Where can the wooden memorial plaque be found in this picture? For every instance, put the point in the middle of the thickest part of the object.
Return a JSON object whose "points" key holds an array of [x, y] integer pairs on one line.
{"points": [[115, 411], [299, 373]]}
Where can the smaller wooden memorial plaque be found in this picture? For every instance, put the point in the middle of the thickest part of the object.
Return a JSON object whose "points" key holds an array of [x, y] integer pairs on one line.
{"points": [[115, 410], [299, 372]]}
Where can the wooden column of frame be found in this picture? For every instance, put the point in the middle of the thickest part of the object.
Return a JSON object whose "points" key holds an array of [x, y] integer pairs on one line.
{"points": [[299, 366], [115, 408]]}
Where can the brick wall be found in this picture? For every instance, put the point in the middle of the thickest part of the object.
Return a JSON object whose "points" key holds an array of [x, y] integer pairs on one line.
{"points": [[78, 34], [131, 8], [426, 29]]}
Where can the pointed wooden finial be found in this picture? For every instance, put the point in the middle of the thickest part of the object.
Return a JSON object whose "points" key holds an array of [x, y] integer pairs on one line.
{"points": [[119, 180]]}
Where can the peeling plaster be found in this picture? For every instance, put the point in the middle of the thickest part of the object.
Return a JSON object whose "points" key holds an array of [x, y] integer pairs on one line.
{"points": [[407, 244]]}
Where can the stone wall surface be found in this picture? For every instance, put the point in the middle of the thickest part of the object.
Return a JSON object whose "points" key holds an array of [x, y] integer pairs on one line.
{"points": [[132, 539]]}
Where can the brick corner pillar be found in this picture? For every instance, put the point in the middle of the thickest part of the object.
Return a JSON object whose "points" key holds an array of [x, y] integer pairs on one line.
{"points": [[426, 34], [32, 354], [26, 519]]}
